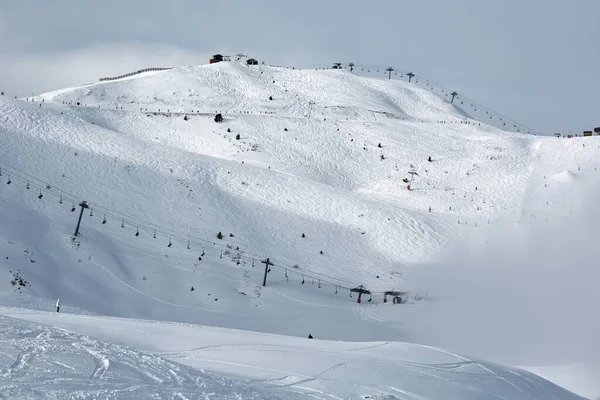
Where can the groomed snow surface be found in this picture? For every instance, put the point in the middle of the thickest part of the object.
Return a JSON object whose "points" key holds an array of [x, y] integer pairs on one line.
{"points": [[315, 181], [274, 367]]}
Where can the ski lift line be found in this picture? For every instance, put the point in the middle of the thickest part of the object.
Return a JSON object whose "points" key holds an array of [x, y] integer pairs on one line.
{"points": [[22, 175], [305, 273], [442, 88], [17, 177], [25, 177], [44, 188], [107, 212], [149, 228]]}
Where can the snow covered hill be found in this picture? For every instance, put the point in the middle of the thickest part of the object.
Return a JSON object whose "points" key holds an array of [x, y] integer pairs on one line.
{"points": [[319, 148], [286, 367], [316, 181], [40, 362]]}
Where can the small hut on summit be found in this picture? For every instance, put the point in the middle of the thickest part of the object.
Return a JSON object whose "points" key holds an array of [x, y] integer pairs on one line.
{"points": [[337, 66], [216, 58], [251, 61]]}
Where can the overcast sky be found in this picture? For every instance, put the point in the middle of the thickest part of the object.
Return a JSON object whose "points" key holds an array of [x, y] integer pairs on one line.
{"points": [[535, 61]]}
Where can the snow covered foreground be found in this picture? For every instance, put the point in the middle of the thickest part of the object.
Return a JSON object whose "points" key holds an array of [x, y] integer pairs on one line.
{"points": [[40, 362], [46, 360], [307, 162]]}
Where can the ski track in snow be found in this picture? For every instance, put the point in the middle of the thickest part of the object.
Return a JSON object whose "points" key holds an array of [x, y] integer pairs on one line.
{"points": [[53, 363], [281, 366]]}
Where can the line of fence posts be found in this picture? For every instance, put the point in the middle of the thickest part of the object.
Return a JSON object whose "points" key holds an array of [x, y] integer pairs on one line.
{"points": [[133, 73]]}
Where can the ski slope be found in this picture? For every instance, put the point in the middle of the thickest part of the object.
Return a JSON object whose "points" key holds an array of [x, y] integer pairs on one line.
{"points": [[304, 185], [292, 174], [282, 367]]}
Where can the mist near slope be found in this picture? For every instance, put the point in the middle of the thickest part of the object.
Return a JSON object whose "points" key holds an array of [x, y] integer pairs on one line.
{"points": [[526, 298]]}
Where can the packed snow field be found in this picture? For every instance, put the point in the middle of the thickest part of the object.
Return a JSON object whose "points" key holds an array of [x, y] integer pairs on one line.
{"points": [[283, 367], [309, 169]]}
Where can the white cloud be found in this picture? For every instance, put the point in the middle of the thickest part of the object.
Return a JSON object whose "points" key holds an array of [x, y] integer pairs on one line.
{"points": [[37, 73]]}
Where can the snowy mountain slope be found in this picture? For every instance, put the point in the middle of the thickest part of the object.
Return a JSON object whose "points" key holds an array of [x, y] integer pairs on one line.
{"points": [[182, 178], [47, 363], [291, 367], [334, 194], [191, 179], [328, 166]]}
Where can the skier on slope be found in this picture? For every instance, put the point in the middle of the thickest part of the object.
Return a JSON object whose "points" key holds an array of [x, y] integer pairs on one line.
{"points": [[58, 305]]}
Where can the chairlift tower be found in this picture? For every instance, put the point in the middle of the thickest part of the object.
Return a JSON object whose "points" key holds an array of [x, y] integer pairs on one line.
{"points": [[389, 71]]}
